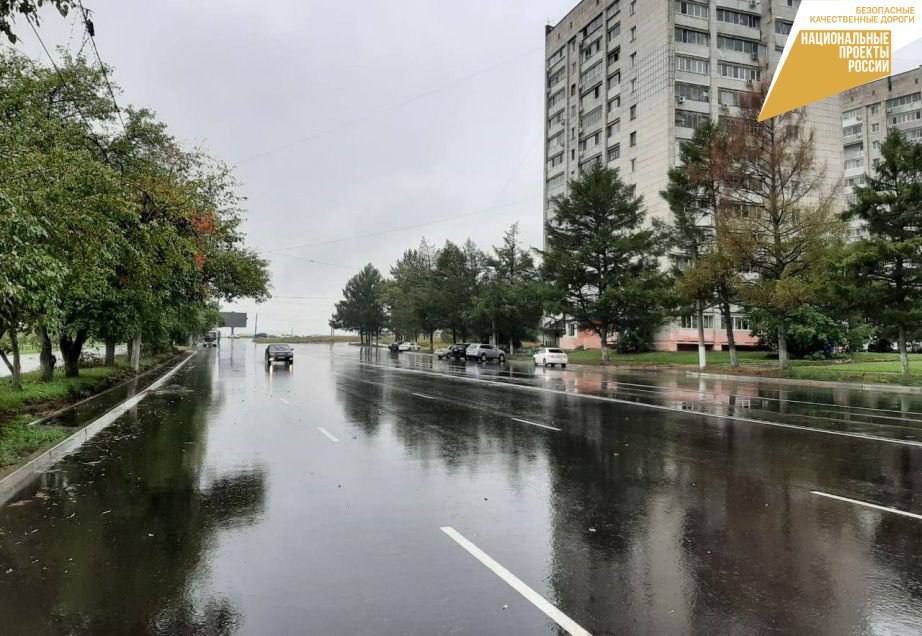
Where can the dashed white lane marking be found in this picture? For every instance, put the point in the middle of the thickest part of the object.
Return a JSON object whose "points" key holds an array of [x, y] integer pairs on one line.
{"points": [[284, 401], [424, 396], [866, 504], [550, 428], [328, 434], [658, 407], [567, 623]]}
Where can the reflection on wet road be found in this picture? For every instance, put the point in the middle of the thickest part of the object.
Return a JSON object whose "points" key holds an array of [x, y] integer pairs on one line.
{"points": [[362, 493]]}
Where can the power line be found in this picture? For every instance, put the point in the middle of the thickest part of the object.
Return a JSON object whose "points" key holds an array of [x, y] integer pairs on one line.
{"points": [[388, 107], [90, 30], [403, 228]]}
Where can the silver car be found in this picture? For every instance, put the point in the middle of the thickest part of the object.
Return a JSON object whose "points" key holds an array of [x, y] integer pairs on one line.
{"points": [[484, 352]]}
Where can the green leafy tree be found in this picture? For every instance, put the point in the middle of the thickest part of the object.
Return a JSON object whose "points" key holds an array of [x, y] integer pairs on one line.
{"points": [[885, 266], [784, 221], [413, 294], [510, 299], [705, 273], [603, 258], [29, 10], [362, 308], [458, 272]]}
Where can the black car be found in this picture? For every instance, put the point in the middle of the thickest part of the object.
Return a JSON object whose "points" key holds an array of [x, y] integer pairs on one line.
{"points": [[458, 351], [280, 353]]}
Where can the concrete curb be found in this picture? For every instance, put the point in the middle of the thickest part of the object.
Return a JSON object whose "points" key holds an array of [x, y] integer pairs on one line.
{"points": [[12, 483]]}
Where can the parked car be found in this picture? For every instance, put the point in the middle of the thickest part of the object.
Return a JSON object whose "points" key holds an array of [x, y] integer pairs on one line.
{"points": [[457, 351], [484, 352], [550, 356], [280, 353], [210, 339], [408, 346]]}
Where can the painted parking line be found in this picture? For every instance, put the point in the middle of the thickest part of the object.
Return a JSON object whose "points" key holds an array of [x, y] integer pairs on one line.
{"points": [[328, 434], [550, 428], [567, 623], [867, 504], [425, 397]]}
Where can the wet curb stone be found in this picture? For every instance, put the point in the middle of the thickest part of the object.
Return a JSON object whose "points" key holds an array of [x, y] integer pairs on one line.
{"points": [[13, 482]]}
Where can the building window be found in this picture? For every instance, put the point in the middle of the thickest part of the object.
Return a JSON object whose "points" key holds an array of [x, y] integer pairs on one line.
{"points": [[614, 152], [875, 108], [591, 118], [614, 79], [614, 127], [691, 92], [855, 114], [728, 98], [613, 56], [850, 131], [633, 34], [854, 163], [739, 72], [737, 44], [633, 84], [690, 36], [697, 65], [633, 139], [902, 118], [692, 9], [875, 127], [691, 322], [633, 165], [633, 7], [555, 182], [689, 119], [614, 31], [633, 112], [633, 59], [783, 27], [904, 100], [738, 17]]}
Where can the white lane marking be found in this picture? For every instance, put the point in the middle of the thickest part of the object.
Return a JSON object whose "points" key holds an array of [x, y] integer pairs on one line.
{"points": [[659, 407], [550, 428], [866, 504], [328, 434], [284, 401], [567, 623], [424, 396]]}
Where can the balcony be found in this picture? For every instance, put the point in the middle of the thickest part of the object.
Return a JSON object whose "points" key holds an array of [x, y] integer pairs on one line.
{"points": [[852, 139]]}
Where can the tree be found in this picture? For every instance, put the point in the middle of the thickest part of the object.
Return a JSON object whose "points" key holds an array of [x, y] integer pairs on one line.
{"points": [[783, 220], [29, 9], [604, 259], [412, 294], [705, 274], [362, 308], [885, 266], [457, 273], [509, 302]]}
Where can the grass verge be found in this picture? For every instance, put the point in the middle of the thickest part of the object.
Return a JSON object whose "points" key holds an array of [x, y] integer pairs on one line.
{"points": [[867, 368], [19, 440]]}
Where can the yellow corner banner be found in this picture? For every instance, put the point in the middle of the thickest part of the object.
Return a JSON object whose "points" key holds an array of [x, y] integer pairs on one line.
{"points": [[834, 46]]}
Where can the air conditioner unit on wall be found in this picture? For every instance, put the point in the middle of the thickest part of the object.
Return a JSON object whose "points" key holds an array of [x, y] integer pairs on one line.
{"points": [[680, 100]]}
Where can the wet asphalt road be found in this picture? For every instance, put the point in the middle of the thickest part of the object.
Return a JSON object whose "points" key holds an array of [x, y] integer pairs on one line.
{"points": [[312, 501]]}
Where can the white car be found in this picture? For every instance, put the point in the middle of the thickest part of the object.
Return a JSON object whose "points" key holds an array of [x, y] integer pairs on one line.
{"points": [[549, 356], [408, 346]]}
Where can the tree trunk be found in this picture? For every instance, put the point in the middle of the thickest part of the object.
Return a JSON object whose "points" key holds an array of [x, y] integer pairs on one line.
{"points": [[782, 347], [110, 353], [604, 349], [493, 340], [904, 356], [70, 351], [15, 367], [134, 353], [731, 337], [46, 356], [511, 347], [702, 349], [432, 341]]}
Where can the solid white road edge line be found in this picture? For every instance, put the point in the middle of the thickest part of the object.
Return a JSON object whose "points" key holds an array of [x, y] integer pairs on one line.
{"points": [[424, 396], [866, 504], [659, 407], [11, 484], [550, 428], [567, 623], [328, 434]]}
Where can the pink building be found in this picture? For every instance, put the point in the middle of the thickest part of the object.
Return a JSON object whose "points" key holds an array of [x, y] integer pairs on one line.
{"points": [[678, 336]]}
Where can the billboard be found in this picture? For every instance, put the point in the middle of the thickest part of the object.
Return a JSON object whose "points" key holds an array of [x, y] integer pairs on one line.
{"points": [[233, 319]]}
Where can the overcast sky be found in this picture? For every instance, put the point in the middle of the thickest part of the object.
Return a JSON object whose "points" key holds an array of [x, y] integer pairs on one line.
{"points": [[355, 128]]}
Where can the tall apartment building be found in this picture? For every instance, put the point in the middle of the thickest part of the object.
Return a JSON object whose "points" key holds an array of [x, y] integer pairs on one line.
{"points": [[869, 112], [628, 81]]}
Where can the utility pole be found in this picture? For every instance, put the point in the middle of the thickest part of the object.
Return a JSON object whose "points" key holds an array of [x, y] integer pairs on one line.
{"points": [[256, 326]]}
